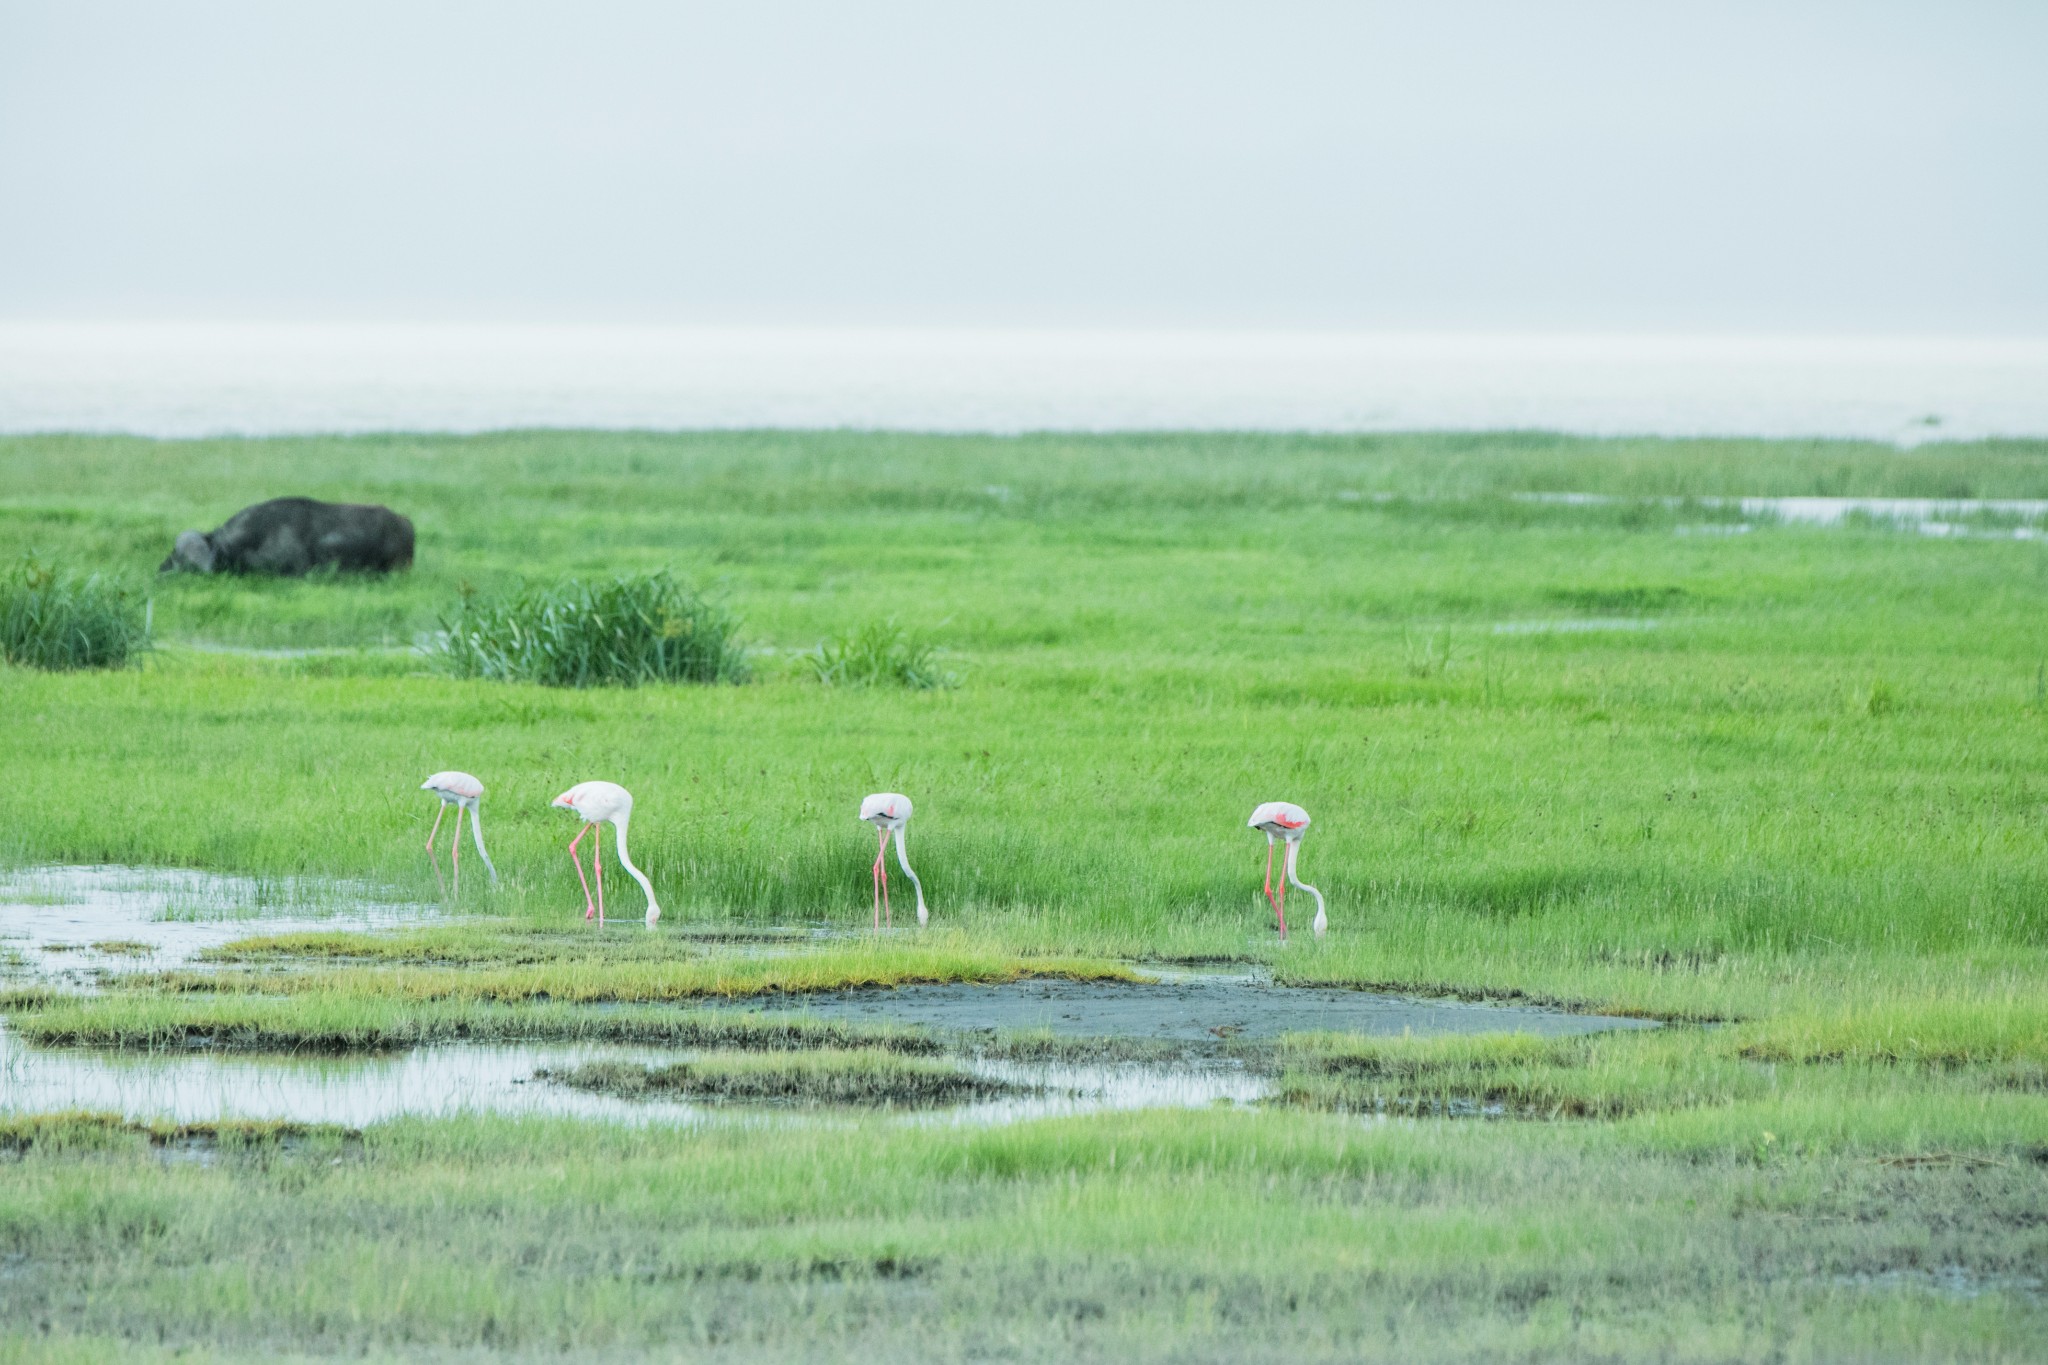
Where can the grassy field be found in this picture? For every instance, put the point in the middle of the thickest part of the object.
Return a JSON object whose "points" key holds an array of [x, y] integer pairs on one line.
{"points": [[1650, 754]]}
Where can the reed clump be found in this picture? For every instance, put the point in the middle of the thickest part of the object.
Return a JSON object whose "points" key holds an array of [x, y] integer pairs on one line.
{"points": [[622, 632], [55, 620]]}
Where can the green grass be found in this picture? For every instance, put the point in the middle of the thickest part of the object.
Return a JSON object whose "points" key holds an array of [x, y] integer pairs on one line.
{"points": [[353, 1023], [1153, 1236], [881, 654], [1793, 782], [631, 630], [867, 1078], [58, 620]]}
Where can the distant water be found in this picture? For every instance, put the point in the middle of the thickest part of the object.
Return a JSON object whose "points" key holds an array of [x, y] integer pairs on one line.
{"points": [[195, 380]]}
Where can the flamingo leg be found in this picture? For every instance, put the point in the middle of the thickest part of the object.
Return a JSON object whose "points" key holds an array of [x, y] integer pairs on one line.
{"points": [[881, 879], [1269, 869], [597, 861], [590, 906], [439, 880], [457, 850], [1280, 904]]}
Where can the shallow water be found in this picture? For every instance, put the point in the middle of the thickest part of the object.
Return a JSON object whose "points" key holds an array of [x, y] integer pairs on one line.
{"points": [[1192, 1008], [465, 1078], [1929, 516], [52, 916], [184, 380]]}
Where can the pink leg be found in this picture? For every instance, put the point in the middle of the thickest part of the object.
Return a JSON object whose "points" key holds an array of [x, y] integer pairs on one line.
{"points": [[457, 843], [439, 880], [589, 905], [597, 861], [881, 879], [1280, 905]]}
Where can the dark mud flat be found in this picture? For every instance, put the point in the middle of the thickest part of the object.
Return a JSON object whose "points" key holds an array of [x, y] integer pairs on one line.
{"points": [[1195, 1010]]}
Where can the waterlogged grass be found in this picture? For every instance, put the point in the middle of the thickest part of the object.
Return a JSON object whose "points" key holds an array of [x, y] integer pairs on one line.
{"points": [[1664, 1074], [580, 979], [867, 1078], [78, 1132], [140, 1021]]}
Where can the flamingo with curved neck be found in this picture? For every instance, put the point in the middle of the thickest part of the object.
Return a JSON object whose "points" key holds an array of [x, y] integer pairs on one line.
{"points": [[1285, 822], [598, 803], [889, 812], [465, 793]]}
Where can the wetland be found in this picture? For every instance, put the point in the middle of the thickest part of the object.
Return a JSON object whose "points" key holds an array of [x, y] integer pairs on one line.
{"points": [[1683, 997]]}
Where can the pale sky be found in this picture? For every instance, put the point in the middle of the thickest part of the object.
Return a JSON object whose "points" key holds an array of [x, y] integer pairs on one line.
{"points": [[1860, 167]]}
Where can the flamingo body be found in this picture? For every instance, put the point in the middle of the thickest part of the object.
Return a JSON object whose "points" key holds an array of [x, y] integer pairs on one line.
{"points": [[465, 793], [889, 812], [1286, 823], [599, 803]]}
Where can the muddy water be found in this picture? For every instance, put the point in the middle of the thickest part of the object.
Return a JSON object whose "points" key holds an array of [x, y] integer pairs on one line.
{"points": [[1202, 1009], [149, 919], [478, 1079]]}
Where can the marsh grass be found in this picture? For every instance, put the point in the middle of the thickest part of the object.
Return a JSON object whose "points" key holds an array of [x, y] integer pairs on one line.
{"points": [[334, 1023], [879, 654], [57, 620], [1150, 1237], [631, 978], [626, 631], [867, 1078], [74, 1132]]}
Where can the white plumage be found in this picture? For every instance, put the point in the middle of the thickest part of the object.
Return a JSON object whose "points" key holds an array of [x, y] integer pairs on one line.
{"points": [[889, 812], [1286, 822]]}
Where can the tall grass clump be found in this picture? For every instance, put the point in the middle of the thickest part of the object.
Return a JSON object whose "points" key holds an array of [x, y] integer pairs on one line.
{"points": [[643, 628], [57, 620], [881, 653]]}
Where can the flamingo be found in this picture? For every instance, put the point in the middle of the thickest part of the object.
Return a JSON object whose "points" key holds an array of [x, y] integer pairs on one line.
{"points": [[1286, 821], [889, 812], [465, 793], [597, 802]]}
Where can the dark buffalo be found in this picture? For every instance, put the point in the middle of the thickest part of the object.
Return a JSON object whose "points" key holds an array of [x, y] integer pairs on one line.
{"points": [[296, 535]]}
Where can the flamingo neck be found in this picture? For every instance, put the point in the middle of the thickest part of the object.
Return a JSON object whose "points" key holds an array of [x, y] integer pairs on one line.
{"points": [[626, 862], [903, 860], [1293, 852], [476, 832]]}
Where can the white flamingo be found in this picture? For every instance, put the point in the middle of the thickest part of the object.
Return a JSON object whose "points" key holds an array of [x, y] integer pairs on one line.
{"points": [[889, 812], [595, 803], [1285, 821], [465, 793]]}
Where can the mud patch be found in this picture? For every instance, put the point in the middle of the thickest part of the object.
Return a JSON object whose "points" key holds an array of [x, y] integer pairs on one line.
{"points": [[1203, 1011]]}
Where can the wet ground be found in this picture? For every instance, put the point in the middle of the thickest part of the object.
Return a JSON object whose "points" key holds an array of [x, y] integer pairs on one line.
{"points": [[72, 923], [1198, 1008], [468, 1078]]}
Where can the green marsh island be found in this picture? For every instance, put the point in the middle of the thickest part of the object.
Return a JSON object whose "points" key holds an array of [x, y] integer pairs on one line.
{"points": [[1705, 841]]}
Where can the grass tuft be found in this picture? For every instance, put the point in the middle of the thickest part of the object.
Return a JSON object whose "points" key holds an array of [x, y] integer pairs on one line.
{"points": [[60, 621], [630, 630], [881, 654]]}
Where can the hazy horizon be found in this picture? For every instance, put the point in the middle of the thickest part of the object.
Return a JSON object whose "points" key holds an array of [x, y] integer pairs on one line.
{"points": [[1824, 169]]}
